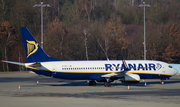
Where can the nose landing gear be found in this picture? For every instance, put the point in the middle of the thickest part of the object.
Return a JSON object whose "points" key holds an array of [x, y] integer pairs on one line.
{"points": [[162, 82]]}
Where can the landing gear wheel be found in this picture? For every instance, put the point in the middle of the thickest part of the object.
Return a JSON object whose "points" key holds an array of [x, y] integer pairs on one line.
{"points": [[162, 82], [107, 84], [92, 83]]}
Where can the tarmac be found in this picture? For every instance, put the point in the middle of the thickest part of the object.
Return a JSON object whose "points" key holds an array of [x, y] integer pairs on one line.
{"points": [[20, 89]]}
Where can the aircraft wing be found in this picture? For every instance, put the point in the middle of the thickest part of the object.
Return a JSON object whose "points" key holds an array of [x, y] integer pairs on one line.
{"points": [[118, 74]]}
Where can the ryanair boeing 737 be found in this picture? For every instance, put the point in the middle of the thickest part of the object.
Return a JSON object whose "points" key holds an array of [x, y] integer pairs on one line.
{"points": [[105, 71]]}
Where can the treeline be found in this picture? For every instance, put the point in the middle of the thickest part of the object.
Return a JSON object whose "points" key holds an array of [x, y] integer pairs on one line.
{"points": [[92, 29]]}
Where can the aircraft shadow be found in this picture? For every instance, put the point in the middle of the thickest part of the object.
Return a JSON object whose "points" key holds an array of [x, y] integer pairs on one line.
{"points": [[166, 82], [84, 83]]}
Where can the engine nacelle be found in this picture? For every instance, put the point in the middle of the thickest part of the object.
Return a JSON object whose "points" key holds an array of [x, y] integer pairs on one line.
{"points": [[130, 78]]}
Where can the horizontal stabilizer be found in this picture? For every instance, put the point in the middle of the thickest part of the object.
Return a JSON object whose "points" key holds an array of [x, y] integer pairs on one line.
{"points": [[16, 63]]}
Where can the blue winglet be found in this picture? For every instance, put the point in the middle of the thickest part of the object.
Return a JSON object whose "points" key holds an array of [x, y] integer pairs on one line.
{"points": [[34, 52]]}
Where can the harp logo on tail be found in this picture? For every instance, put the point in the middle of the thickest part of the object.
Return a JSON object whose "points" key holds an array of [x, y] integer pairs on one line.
{"points": [[32, 47]]}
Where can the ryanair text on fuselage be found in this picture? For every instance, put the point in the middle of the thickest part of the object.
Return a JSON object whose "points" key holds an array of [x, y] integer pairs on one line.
{"points": [[135, 67]]}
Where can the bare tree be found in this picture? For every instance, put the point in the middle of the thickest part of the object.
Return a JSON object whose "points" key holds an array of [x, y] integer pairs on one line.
{"points": [[56, 33], [86, 35], [7, 38], [88, 7], [103, 42]]}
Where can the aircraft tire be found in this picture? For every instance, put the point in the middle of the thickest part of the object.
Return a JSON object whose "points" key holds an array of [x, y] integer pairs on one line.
{"points": [[92, 83], [107, 84]]}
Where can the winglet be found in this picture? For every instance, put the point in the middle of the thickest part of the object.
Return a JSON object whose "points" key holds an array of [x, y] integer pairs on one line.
{"points": [[126, 68]]}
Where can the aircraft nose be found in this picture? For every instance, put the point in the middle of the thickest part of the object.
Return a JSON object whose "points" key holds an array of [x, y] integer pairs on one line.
{"points": [[175, 71]]}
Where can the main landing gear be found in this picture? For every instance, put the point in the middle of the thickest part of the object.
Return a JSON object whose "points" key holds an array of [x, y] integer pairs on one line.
{"points": [[107, 83], [92, 83]]}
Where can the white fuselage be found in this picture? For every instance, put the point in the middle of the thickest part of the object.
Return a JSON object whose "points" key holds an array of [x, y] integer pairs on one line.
{"points": [[76, 69]]}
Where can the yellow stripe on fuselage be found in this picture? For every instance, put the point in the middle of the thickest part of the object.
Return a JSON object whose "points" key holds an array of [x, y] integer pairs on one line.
{"points": [[72, 71]]}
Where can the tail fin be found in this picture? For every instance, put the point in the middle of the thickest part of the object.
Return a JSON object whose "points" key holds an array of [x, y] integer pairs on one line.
{"points": [[34, 52]]}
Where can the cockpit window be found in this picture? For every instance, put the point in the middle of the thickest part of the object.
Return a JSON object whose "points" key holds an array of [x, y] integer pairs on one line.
{"points": [[170, 66]]}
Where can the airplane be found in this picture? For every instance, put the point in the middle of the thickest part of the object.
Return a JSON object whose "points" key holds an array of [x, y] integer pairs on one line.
{"points": [[131, 71]]}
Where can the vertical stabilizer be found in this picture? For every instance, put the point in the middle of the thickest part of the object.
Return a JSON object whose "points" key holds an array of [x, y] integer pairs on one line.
{"points": [[34, 53]]}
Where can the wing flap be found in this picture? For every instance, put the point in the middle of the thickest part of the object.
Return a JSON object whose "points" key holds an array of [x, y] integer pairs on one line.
{"points": [[109, 75]]}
